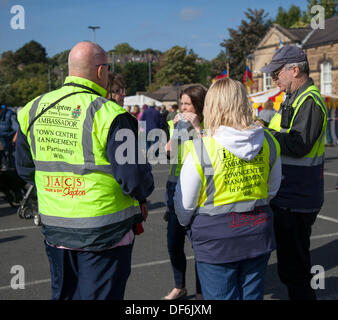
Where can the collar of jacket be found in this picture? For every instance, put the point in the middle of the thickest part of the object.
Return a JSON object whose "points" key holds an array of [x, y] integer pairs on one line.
{"points": [[292, 97], [88, 83]]}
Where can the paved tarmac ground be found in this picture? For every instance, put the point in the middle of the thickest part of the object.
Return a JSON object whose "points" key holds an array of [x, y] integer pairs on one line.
{"points": [[21, 244]]}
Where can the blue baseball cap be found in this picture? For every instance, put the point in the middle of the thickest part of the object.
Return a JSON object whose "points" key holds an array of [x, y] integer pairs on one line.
{"points": [[284, 55]]}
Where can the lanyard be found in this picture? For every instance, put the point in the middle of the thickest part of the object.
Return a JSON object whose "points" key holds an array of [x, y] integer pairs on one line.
{"points": [[89, 90]]}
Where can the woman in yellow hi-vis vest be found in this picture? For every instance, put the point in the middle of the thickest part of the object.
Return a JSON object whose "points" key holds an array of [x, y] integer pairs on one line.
{"points": [[226, 182], [192, 102]]}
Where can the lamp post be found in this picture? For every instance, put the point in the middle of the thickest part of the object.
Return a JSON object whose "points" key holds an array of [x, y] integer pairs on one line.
{"points": [[61, 76], [177, 85], [93, 28]]}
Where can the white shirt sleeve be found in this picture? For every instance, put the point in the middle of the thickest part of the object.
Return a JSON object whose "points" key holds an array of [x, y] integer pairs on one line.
{"points": [[187, 191]]}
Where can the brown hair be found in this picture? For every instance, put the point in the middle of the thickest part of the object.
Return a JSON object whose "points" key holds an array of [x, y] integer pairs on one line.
{"points": [[115, 82], [227, 104], [197, 96]]}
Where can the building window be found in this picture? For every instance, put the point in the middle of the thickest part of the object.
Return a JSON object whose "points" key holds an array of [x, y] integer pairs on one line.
{"points": [[267, 81], [326, 77]]}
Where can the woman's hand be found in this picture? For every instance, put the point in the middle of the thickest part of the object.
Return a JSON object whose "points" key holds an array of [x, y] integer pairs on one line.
{"points": [[194, 120], [176, 119], [167, 147]]}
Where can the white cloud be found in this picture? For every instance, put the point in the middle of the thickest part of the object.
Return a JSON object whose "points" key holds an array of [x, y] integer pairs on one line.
{"points": [[189, 13]]}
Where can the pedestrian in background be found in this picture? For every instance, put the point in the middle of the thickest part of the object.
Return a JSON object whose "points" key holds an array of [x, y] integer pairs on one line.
{"points": [[299, 127], [153, 120], [116, 88], [88, 202], [8, 128], [164, 112], [267, 113], [136, 112], [192, 103], [222, 196], [173, 110]]}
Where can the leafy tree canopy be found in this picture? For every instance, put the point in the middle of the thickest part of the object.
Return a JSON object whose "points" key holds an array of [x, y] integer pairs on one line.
{"points": [[123, 48], [244, 39], [176, 66], [288, 18], [31, 52]]}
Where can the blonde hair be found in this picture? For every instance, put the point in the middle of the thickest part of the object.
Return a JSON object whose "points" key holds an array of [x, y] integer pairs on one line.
{"points": [[227, 104]]}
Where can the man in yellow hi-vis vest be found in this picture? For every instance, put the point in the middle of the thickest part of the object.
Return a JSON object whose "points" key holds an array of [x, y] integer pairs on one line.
{"points": [[89, 200], [299, 127]]}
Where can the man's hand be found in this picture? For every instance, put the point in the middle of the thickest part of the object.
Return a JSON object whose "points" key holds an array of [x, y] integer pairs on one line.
{"points": [[260, 123], [144, 211]]}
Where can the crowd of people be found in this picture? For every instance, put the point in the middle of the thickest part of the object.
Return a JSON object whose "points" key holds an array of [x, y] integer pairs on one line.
{"points": [[224, 191]]}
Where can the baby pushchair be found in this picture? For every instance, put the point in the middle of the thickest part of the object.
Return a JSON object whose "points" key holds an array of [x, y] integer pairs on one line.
{"points": [[29, 206]]}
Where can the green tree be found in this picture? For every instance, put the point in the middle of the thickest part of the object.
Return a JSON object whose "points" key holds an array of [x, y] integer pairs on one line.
{"points": [[8, 68], [24, 90], [203, 71], [330, 6], [218, 64], [123, 48], [136, 76], [176, 66], [242, 41], [289, 18], [31, 52]]}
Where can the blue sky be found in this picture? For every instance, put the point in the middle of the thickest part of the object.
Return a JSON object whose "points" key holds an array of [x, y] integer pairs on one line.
{"points": [[200, 25]]}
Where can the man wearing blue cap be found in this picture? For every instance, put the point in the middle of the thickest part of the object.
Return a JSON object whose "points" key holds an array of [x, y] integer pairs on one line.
{"points": [[299, 127]]}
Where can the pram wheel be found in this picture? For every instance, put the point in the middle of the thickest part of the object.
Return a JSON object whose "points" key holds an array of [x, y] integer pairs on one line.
{"points": [[25, 213]]}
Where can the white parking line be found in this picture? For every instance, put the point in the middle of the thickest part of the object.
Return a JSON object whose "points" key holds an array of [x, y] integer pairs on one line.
{"points": [[321, 236], [139, 265], [153, 263], [19, 229], [331, 174], [327, 218], [28, 284]]}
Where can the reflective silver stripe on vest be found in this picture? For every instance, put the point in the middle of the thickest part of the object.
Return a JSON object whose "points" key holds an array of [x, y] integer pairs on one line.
{"points": [[209, 207], [32, 113], [208, 171], [305, 161], [87, 141], [81, 169], [91, 222], [87, 145], [243, 206], [272, 149]]}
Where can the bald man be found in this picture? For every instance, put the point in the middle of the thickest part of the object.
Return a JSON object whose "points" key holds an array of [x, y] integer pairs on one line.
{"points": [[69, 146]]}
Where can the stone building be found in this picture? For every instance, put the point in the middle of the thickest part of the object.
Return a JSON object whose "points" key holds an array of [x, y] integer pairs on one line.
{"points": [[320, 45]]}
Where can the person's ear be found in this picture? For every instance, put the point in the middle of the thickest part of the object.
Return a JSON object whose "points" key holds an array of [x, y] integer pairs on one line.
{"points": [[295, 71], [99, 72]]}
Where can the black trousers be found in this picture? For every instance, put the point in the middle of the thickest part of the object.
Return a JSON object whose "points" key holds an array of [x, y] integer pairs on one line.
{"points": [[293, 231], [86, 275]]}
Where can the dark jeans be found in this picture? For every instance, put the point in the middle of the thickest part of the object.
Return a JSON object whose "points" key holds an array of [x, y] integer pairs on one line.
{"points": [[85, 275], [176, 239], [293, 231], [241, 280]]}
